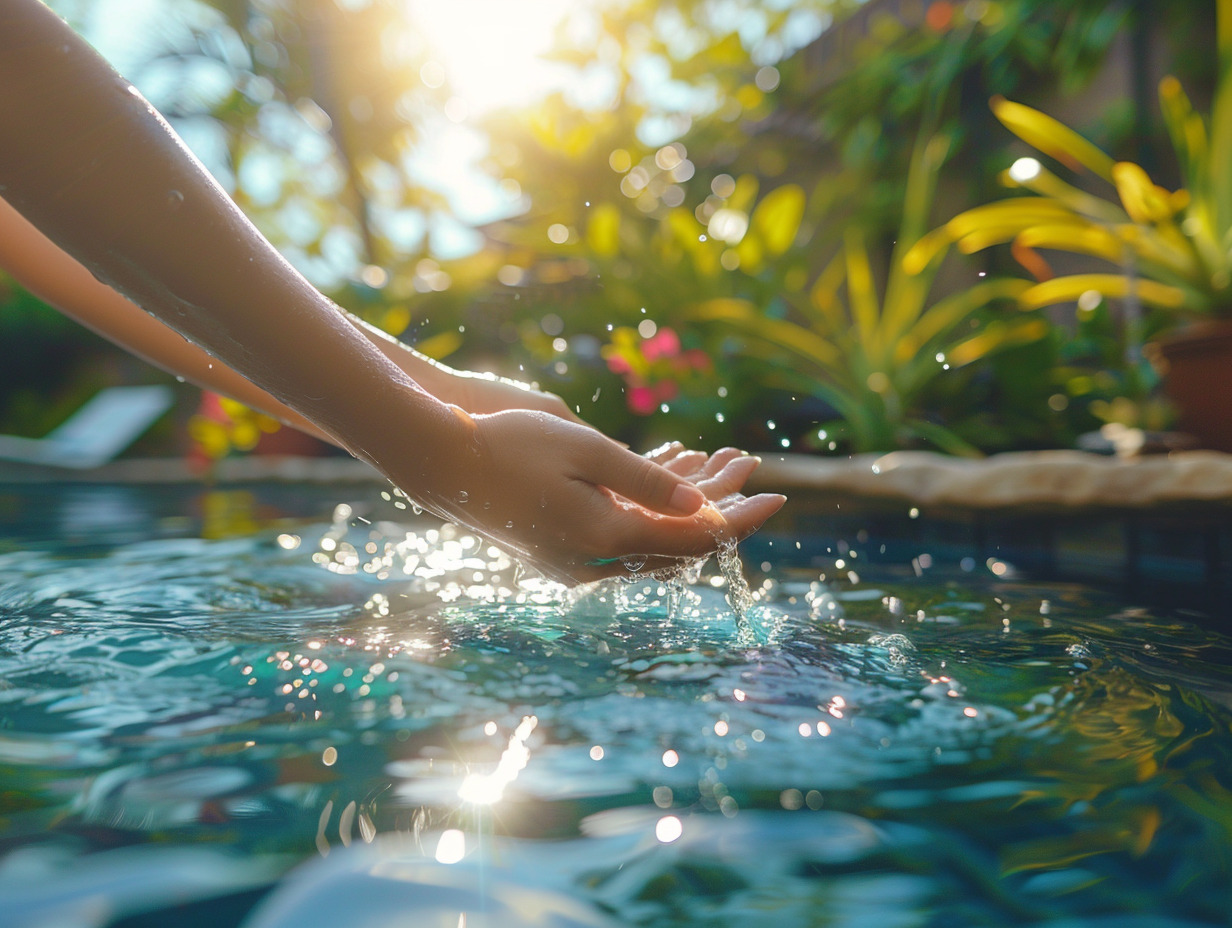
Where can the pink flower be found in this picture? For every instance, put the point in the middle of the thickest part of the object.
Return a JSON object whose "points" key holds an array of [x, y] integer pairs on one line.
{"points": [[663, 344], [642, 401]]}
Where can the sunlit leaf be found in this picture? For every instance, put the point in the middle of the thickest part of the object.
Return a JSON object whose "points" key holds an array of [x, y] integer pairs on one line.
{"points": [[996, 336], [777, 218], [944, 315], [861, 295], [927, 250], [745, 193], [1053, 138], [1144, 201], [1186, 129], [1115, 286], [1081, 239], [1217, 172], [1048, 185], [1017, 212], [440, 346], [603, 230], [824, 294], [794, 338], [751, 253]]}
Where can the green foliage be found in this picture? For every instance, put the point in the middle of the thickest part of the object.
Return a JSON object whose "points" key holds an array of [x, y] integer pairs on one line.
{"points": [[874, 353], [726, 186], [1167, 249]]}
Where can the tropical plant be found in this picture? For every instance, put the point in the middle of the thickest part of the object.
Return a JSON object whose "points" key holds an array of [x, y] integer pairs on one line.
{"points": [[873, 357], [1169, 249]]}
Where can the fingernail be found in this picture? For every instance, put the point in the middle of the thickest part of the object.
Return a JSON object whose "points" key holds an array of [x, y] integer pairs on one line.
{"points": [[686, 499]]}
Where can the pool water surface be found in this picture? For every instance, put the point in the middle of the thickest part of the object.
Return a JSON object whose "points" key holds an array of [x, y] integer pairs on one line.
{"points": [[349, 716]]}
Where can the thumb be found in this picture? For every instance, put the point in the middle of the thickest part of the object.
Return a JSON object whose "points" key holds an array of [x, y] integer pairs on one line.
{"points": [[644, 482]]}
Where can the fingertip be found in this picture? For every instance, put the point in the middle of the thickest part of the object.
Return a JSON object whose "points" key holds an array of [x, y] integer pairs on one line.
{"points": [[685, 500], [749, 514], [771, 501]]}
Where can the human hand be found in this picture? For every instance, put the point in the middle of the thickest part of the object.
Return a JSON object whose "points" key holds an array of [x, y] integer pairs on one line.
{"points": [[576, 505], [481, 394]]}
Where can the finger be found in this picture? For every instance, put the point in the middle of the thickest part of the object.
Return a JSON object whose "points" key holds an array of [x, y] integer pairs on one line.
{"points": [[679, 547], [722, 458], [665, 452], [689, 464], [642, 481], [697, 535], [729, 479], [746, 514]]}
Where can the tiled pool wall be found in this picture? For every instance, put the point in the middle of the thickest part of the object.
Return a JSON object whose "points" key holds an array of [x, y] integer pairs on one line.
{"points": [[1179, 556]]}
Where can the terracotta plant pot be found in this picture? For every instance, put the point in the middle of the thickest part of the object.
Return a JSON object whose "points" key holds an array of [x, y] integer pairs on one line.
{"points": [[1196, 366]]}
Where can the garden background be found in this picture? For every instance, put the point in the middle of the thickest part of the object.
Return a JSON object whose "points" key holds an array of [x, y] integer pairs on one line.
{"points": [[723, 221]]}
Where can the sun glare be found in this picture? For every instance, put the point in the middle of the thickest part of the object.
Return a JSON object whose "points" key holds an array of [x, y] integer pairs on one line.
{"points": [[490, 51]]}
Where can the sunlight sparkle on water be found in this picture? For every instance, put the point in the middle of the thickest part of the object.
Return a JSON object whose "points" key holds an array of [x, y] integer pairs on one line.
{"points": [[451, 847], [488, 788], [668, 829]]}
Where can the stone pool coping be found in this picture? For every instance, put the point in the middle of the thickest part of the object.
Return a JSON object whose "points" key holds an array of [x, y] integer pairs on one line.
{"points": [[1031, 480], [1026, 480]]}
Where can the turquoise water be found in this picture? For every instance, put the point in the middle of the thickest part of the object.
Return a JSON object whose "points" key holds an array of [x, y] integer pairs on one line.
{"points": [[362, 719]]}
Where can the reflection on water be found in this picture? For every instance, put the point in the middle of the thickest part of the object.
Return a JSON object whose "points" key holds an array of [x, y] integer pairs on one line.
{"points": [[189, 723]]}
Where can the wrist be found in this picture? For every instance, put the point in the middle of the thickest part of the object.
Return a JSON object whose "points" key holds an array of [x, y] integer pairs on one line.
{"points": [[414, 439]]}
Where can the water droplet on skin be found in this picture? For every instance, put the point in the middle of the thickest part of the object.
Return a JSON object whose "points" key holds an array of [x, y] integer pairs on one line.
{"points": [[463, 497], [175, 199], [509, 524], [634, 563]]}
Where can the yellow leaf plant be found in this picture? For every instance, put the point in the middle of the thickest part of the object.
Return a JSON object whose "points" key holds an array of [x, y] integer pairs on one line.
{"points": [[1168, 249], [872, 352]]}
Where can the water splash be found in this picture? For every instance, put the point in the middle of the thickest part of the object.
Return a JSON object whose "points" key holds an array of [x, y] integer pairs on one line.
{"points": [[739, 596]]}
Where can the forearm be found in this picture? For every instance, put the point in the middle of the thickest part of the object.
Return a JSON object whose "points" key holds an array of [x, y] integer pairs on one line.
{"points": [[59, 280], [37, 264], [89, 163]]}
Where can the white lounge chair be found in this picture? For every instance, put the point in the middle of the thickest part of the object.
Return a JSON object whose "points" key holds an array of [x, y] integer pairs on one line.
{"points": [[108, 423]]}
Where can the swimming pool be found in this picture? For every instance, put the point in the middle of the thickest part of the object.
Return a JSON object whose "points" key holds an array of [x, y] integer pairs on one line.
{"points": [[292, 705]]}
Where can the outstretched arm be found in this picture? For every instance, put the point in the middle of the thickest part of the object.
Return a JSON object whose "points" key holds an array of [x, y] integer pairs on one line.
{"points": [[57, 279], [91, 164]]}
